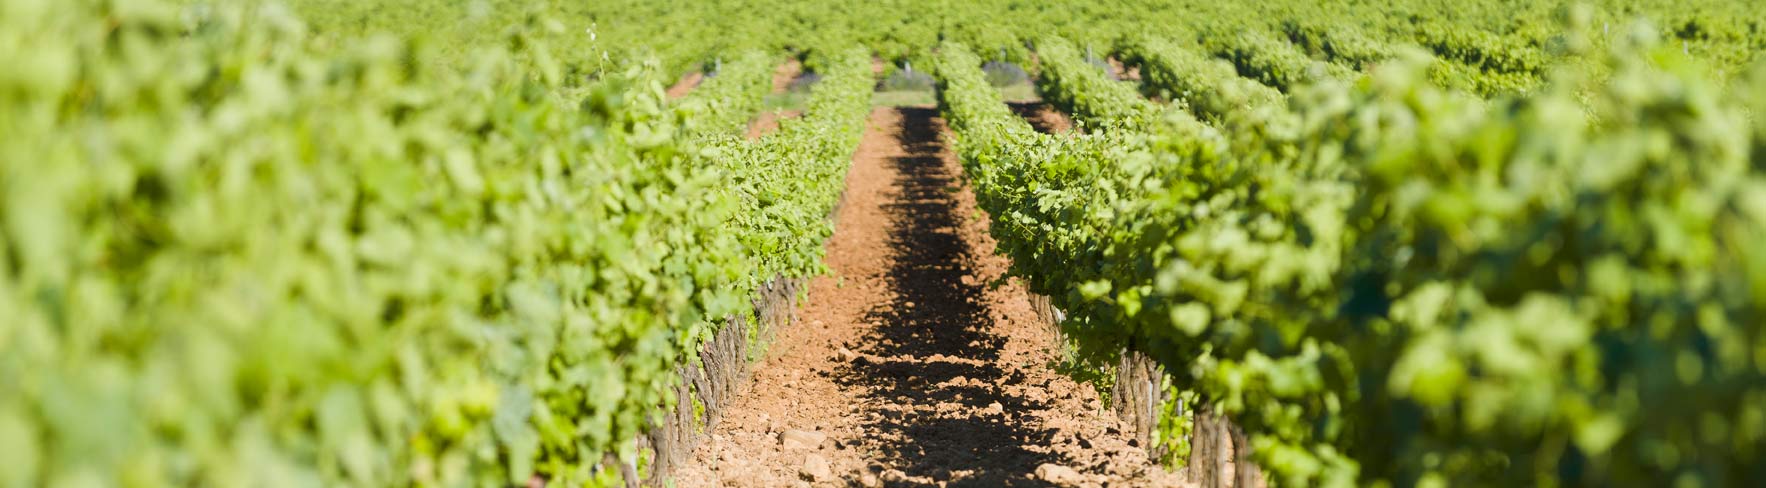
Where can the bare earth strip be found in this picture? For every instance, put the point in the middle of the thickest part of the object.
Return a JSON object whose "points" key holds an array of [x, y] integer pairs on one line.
{"points": [[1042, 117], [768, 121], [785, 73], [686, 85], [915, 363], [1123, 72]]}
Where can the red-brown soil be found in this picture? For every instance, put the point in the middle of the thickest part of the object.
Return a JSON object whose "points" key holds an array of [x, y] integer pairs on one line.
{"points": [[1120, 72], [685, 85], [916, 358], [1043, 117], [786, 72], [768, 122]]}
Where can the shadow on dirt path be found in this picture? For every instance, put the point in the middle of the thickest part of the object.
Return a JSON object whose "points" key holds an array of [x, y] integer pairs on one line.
{"points": [[916, 362], [1042, 117], [935, 329]]}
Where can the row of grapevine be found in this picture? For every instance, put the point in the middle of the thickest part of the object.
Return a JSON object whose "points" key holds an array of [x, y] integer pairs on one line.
{"points": [[1272, 61], [1050, 197], [1208, 87], [1388, 282], [1489, 48], [1481, 49], [688, 34], [1340, 43], [238, 253], [790, 180], [1162, 246], [1083, 90], [1351, 47], [1493, 47], [725, 102]]}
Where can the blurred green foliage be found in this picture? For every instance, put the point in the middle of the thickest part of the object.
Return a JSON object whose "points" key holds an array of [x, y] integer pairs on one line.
{"points": [[1386, 282]]}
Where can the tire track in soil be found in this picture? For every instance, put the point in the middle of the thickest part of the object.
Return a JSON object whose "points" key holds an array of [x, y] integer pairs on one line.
{"points": [[916, 359]]}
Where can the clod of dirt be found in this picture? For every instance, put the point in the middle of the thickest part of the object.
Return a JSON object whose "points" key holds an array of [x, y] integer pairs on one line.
{"points": [[802, 439], [1059, 475], [815, 468], [846, 355], [868, 480], [766, 423], [729, 462]]}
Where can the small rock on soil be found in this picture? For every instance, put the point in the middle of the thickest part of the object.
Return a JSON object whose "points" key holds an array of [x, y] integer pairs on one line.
{"points": [[1059, 475], [802, 439]]}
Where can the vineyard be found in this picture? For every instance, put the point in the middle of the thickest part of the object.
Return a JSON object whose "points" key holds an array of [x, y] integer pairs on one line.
{"points": [[893, 243]]}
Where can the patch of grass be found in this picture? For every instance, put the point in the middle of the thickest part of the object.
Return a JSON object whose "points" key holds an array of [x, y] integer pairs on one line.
{"points": [[1022, 92], [904, 98], [908, 80], [789, 100], [1001, 73]]}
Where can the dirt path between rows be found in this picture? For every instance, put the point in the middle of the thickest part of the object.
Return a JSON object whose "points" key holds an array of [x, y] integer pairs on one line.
{"points": [[1042, 117], [1123, 72], [915, 363], [785, 73], [768, 121], [685, 85]]}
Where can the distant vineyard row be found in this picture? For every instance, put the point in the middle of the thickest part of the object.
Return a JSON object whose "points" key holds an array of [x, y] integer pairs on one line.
{"points": [[1509, 44]]}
